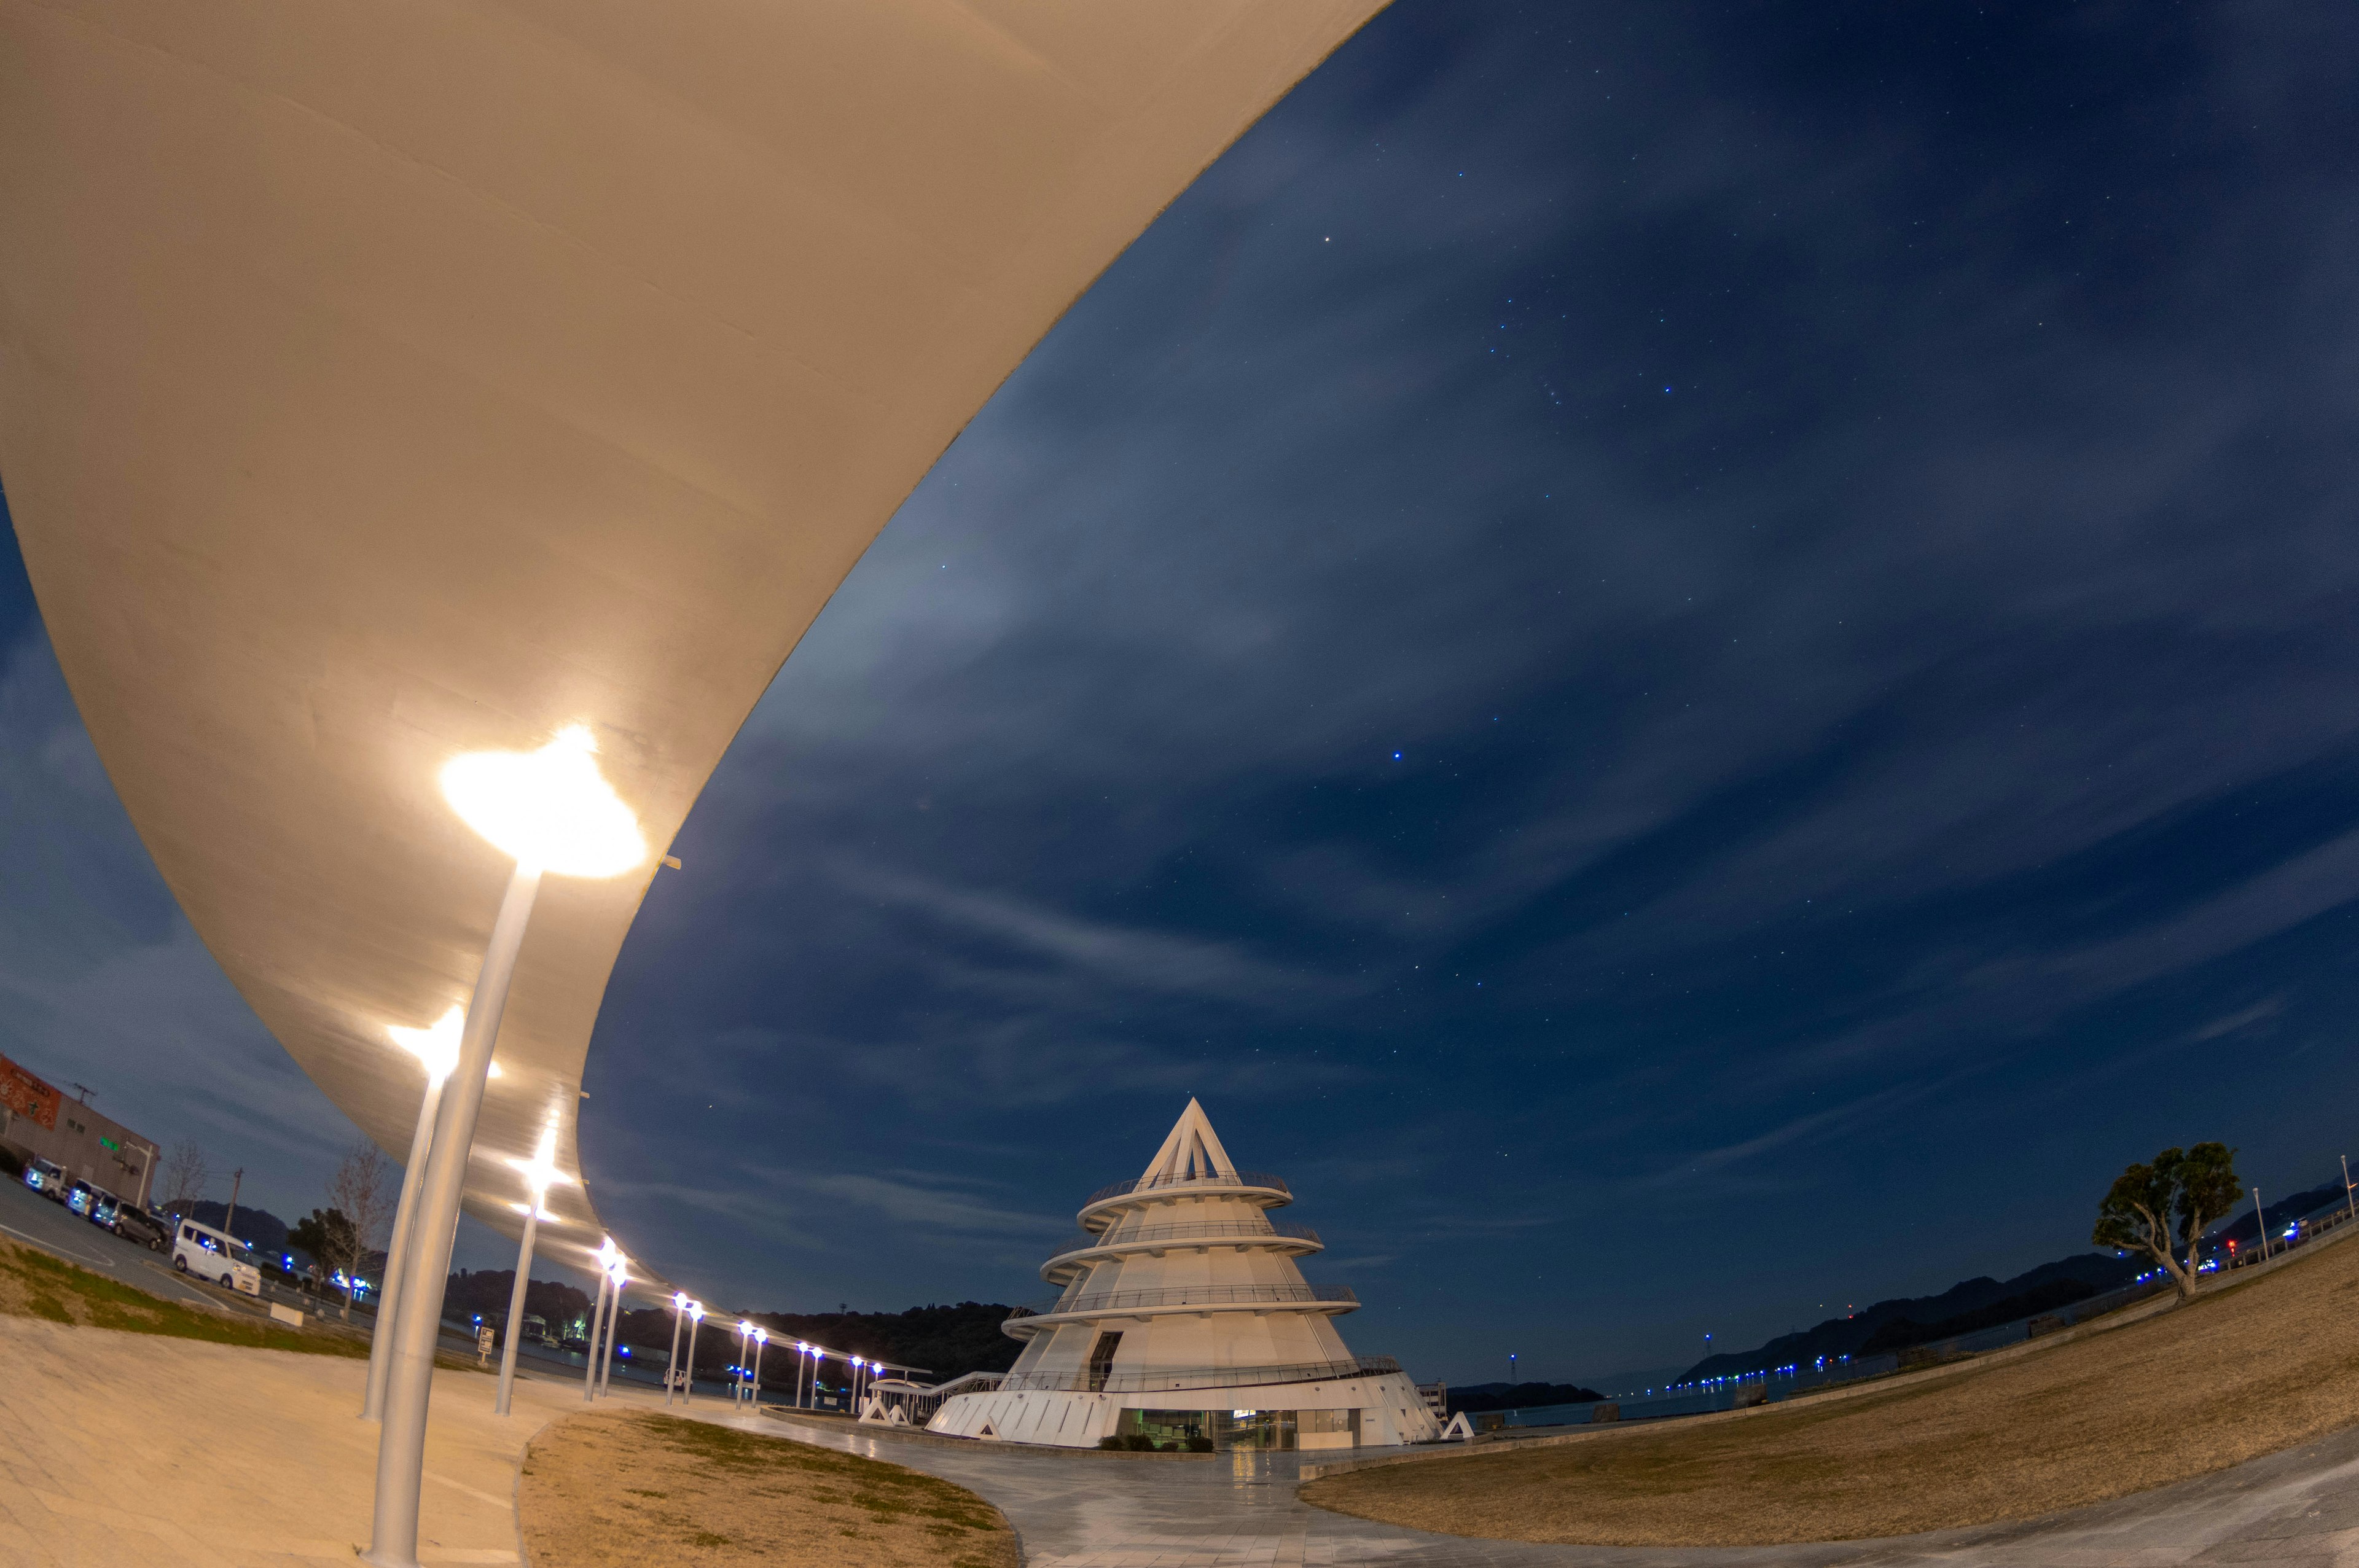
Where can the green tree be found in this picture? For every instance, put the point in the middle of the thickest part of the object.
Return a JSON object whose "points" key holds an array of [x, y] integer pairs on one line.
{"points": [[2164, 1207], [329, 1237]]}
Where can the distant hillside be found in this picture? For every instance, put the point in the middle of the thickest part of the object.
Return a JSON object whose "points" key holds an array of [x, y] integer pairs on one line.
{"points": [[2244, 1230], [1517, 1396], [1850, 1335], [947, 1341], [1902, 1333], [486, 1292]]}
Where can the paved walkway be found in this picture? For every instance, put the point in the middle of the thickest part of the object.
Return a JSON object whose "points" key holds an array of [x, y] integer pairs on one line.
{"points": [[1086, 1510], [134, 1448], [124, 1448]]}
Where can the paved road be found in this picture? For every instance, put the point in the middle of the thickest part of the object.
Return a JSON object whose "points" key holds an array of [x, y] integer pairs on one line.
{"points": [[1087, 1511], [27, 1215]]}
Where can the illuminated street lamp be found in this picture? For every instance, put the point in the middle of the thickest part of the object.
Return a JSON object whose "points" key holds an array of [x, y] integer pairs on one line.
{"points": [[551, 811], [695, 1321], [745, 1349], [613, 1322], [852, 1393], [539, 1172], [761, 1337], [672, 1368], [802, 1365], [605, 1256], [437, 1050]]}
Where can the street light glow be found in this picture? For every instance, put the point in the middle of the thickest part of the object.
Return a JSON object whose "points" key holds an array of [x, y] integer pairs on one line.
{"points": [[549, 809], [540, 1171], [435, 1046]]}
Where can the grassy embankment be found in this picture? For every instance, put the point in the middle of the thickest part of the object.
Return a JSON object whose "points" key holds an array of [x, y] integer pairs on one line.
{"points": [[35, 1284], [2252, 1368], [616, 1488]]}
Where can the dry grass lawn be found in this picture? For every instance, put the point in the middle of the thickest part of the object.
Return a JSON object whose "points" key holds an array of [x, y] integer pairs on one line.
{"points": [[2258, 1368], [35, 1284], [634, 1489]]}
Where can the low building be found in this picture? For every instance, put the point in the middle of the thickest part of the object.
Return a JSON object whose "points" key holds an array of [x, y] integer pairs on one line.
{"points": [[1185, 1318], [39, 1121]]}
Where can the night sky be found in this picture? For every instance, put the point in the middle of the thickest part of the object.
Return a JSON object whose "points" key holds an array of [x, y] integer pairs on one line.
{"points": [[1695, 666]]}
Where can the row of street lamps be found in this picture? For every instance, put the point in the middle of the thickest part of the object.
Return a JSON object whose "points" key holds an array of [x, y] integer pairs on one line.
{"points": [[550, 811]]}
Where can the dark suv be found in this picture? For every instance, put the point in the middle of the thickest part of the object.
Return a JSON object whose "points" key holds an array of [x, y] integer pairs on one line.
{"points": [[135, 1224]]}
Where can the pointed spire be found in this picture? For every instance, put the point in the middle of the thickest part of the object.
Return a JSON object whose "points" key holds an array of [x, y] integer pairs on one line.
{"points": [[1193, 1149]]}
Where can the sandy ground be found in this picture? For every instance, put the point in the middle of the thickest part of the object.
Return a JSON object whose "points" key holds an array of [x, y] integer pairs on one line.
{"points": [[2256, 1367], [622, 1487]]}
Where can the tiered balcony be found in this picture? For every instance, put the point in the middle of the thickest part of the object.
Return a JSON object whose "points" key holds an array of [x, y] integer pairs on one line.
{"points": [[1086, 1380], [1259, 1187], [1206, 1299], [1288, 1240]]}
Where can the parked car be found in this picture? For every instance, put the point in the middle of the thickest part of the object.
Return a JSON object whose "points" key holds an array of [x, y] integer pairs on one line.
{"points": [[216, 1255], [45, 1179], [135, 1224], [78, 1198], [102, 1207]]}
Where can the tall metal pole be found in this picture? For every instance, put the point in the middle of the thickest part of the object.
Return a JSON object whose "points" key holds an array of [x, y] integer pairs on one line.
{"points": [[515, 1306], [2261, 1218], [613, 1333], [405, 1220], [597, 1329], [672, 1366], [758, 1345], [409, 1380], [2351, 1203], [688, 1370]]}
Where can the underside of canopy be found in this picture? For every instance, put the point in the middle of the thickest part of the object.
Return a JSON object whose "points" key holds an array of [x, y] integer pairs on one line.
{"points": [[380, 382]]}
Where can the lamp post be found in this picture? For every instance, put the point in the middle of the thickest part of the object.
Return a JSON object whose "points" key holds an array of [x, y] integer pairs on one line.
{"points": [[802, 1365], [761, 1337], [745, 1351], [604, 1256], [613, 1325], [437, 1050], [539, 1172], [550, 811], [688, 1374], [672, 1366]]}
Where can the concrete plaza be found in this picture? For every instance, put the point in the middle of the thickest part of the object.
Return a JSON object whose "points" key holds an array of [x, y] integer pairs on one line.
{"points": [[137, 1448], [1240, 1511], [127, 1448]]}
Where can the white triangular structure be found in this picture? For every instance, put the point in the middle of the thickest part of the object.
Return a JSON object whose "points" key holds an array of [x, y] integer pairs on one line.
{"points": [[1459, 1429], [1192, 1153], [1184, 1317]]}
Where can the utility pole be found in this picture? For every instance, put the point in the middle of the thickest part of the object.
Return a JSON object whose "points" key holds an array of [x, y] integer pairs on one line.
{"points": [[2261, 1218], [236, 1180]]}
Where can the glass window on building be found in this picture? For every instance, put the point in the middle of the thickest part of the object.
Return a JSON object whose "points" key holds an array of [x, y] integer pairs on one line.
{"points": [[1253, 1429], [1179, 1430]]}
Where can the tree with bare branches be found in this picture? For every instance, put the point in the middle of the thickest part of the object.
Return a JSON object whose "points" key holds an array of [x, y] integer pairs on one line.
{"points": [[2192, 1188], [184, 1176], [364, 1191]]}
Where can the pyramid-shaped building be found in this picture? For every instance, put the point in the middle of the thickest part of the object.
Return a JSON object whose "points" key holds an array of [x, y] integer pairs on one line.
{"points": [[1184, 1316]]}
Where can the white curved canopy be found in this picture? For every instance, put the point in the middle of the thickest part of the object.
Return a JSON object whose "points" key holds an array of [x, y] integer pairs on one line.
{"points": [[380, 382]]}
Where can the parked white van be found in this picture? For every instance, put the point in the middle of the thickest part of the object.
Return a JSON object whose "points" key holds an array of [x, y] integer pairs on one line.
{"points": [[211, 1254]]}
